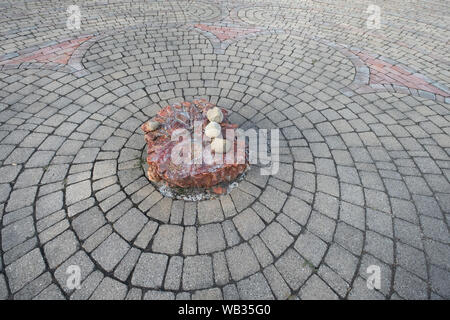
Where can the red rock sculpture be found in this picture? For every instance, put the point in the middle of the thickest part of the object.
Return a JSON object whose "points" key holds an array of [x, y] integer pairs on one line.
{"points": [[188, 175]]}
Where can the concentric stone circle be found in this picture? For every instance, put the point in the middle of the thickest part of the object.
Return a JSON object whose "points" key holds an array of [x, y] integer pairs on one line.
{"points": [[363, 180]]}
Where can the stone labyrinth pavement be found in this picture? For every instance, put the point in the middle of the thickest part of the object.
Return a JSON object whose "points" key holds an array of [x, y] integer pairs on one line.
{"points": [[364, 119]]}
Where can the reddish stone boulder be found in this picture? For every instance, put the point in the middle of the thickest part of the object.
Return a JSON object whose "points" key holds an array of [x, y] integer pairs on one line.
{"points": [[188, 174]]}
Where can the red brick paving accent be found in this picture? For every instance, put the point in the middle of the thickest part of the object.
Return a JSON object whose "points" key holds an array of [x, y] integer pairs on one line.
{"points": [[59, 53], [225, 33], [382, 72]]}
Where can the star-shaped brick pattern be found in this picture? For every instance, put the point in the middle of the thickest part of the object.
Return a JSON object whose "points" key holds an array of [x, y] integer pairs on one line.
{"points": [[59, 53]]}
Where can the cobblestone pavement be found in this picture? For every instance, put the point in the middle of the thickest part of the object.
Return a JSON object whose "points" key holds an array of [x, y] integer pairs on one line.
{"points": [[365, 140]]}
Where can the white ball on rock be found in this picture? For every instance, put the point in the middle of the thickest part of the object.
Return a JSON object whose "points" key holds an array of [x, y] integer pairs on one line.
{"points": [[213, 130], [215, 114]]}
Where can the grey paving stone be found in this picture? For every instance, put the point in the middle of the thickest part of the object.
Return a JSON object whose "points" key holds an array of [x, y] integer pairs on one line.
{"points": [[276, 238], [404, 209], [24, 270], [208, 294], [427, 206], [380, 246], [241, 261], [254, 288], [54, 173], [50, 293], [159, 295], [379, 222], [438, 253], [197, 272], [273, 198], [149, 261], [109, 289], [112, 201], [310, 247], [190, 213], [377, 200], [134, 294], [294, 269], [5, 189], [209, 211], [104, 169], [322, 226], [70, 147], [48, 204], [352, 193], [210, 238], [19, 250], [350, 238], [88, 222], [352, 215], [409, 286], [102, 133], [190, 241], [173, 276], [328, 189], [118, 211], [276, 282], [231, 235], [439, 281], [228, 206], [21, 198], [19, 156], [168, 239], [412, 260], [265, 214], [342, 261], [110, 252], [241, 200], [60, 248], [335, 281], [297, 209], [161, 210], [3, 288], [248, 223], [81, 206], [176, 215], [221, 273], [29, 177], [261, 251], [230, 292], [124, 268], [17, 232], [97, 238], [147, 233], [408, 233], [77, 192], [435, 228], [130, 224], [316, 289], [34, 287]]}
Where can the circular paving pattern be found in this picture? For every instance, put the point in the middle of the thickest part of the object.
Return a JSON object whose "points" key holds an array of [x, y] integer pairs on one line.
{"points": [[364, 155]]}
